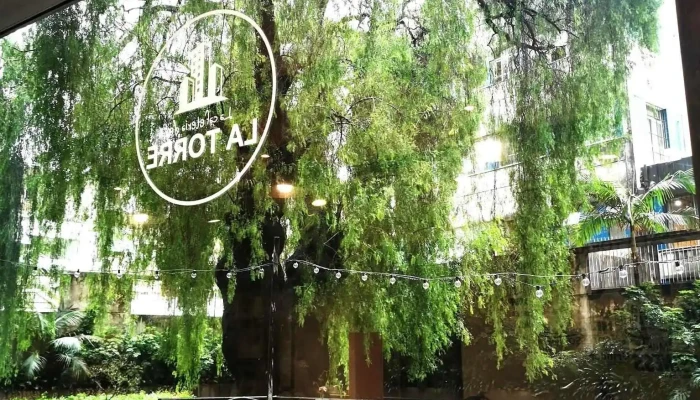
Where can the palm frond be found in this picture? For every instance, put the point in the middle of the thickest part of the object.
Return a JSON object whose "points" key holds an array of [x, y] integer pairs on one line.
{"points": [[658, 222], [662, 191], [70, 344], [88, 338], [593, 223], [75, 366], [68, 320], [602, 193], [33, 364], [43, 324]]}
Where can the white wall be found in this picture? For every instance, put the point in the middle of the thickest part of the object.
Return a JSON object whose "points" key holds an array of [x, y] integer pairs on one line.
{"points": [[657, 79], [80, 254]]}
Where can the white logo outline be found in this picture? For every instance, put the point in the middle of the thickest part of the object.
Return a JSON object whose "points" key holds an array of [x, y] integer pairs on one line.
{"points": [[193, 92], [263, 137]]}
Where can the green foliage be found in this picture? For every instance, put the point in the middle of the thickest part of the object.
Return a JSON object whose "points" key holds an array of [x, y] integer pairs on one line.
{"points": [[13, 278], [126, 363], [376, 96], [134, 396], [121, 362], [56, 347], [556, 106], [654, 351], [613, 206]]}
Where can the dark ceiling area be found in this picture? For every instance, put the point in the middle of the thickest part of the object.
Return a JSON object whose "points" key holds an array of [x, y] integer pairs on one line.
{"points": [[15, 14]]}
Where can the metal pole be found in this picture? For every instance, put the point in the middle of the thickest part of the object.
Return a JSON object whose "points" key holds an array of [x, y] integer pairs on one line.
{"points": [[270, 334]]}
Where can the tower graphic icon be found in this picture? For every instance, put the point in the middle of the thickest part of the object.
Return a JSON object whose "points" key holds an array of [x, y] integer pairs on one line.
{"points": [[203, 86]]}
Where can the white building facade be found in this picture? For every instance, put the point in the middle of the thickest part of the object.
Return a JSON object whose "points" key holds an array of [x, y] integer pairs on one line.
{"points": [[656, 125]]}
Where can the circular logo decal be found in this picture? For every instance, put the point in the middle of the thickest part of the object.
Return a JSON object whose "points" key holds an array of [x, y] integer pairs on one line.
{"points": [[197, 121]]}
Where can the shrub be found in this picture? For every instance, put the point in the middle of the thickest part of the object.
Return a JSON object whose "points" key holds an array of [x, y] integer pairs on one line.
{"points": [[107, 396]]}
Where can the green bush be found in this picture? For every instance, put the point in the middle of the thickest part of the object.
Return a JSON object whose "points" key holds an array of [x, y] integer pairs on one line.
{"points": [[128, 362], [134, 396]]}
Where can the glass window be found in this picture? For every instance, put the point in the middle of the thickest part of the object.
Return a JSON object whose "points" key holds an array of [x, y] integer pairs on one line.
{"points": [[658, 133]]}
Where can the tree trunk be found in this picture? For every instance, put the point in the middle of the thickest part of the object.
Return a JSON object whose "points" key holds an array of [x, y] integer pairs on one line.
{"points": [[635, 257], [248, 321]]}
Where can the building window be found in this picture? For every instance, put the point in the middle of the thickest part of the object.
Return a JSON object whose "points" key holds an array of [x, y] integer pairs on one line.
{"points": [[492, 154], [499, 69], [657, 125]]}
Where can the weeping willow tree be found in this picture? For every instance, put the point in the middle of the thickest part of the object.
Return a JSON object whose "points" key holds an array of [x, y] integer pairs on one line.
{"points": [[370, 116], [565, 85]]}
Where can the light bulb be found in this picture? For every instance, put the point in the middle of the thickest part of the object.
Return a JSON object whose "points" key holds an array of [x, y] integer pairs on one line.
{"points": [[338, 274], [229, 275], [119, 274], [458, 283], [392, 280], [679, 267], [497, 281], [426, 285], [193, 274], [77, 274], [585, 281], [157, 275], [295, 265], [539, 293], [364, 277], [623, 273], [316, 270], [318, 203], [139, 218], [284, 188]]}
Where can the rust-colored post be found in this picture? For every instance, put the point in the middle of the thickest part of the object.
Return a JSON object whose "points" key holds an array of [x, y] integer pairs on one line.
{"points": [[366, 379]]}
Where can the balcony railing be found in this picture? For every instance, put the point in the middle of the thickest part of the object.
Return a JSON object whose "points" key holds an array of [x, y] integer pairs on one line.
{"points": [[665, 259]]}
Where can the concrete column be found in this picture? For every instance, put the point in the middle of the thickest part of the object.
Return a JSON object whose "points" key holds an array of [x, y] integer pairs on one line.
{"points": [[366, 379], [583, 318]]}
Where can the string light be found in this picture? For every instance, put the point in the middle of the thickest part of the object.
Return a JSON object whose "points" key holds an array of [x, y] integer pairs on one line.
{"points": [[456, 281], [585, 281], [318, 203], [539, 292], [119, 274], [623, 272]]}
